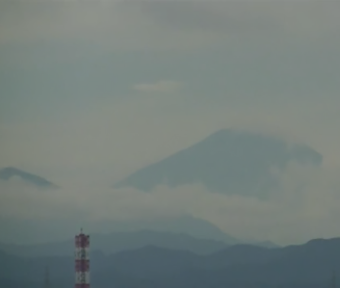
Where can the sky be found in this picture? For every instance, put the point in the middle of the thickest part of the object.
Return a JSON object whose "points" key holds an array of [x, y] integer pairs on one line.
{"points": [[90, 91]]}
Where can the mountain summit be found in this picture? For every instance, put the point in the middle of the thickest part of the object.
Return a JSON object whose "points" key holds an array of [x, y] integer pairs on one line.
{"points": [[11, 172], [228, 161]]}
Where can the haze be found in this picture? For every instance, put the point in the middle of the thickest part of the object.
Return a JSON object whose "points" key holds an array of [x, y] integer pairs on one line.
{"points": [[92, 91]]}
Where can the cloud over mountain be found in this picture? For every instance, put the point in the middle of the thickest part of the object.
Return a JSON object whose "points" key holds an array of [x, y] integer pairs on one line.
{"points": [[297, 213], [228, 162]]}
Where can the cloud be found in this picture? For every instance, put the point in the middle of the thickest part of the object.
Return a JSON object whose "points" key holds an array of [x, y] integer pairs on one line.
{"points": [[168, 25], [24, 201], [118, 25], [304, 207], [162, 86]]}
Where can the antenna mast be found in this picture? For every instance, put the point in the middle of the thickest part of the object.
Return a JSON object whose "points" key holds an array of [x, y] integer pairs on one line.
{"points": [[82, 261]]}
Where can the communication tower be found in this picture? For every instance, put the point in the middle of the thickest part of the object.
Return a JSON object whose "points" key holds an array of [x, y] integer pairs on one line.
{"points": [[82, 261]]}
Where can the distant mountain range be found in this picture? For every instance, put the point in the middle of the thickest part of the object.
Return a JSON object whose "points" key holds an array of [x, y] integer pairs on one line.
{"points": [[302, 266], [113, 242], [28, 231], [182, 224], [120, 241], [9, 173], [228, 161]]}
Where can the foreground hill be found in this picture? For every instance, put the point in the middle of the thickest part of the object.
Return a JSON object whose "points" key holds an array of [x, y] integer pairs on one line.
{"points": [[8, 173], [308, 265], [228, 162]]}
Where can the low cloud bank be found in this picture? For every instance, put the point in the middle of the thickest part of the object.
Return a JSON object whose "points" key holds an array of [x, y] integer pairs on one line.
{"points": [[304, 206]]}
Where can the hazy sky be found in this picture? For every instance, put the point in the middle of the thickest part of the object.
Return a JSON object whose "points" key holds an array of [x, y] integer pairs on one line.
{"points": [[93, 90]]}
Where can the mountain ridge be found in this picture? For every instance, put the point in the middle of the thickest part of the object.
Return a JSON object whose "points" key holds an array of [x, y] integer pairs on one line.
{"points": [[121, 241], [40, 231], [7, 173], [227, 162], [298, 266]]}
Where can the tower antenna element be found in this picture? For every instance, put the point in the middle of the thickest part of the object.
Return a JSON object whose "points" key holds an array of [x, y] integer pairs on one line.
{"points": [[82, 261]]}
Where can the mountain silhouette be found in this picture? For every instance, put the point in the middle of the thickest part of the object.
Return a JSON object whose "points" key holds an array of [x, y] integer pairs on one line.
{"points": [[120, 241], [8, 173], [181, 224], [228, 162], [300, 266], [33, 231]]}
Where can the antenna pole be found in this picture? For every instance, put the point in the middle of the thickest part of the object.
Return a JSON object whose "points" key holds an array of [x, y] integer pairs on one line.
{"points": [[82, 261]]}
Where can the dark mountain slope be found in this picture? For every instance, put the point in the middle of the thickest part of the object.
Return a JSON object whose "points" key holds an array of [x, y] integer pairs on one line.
{"points": [[228, 161], [242, 254]]}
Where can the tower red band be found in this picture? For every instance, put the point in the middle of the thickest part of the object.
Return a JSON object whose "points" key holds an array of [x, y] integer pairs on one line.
{"points": [[82, 261]]}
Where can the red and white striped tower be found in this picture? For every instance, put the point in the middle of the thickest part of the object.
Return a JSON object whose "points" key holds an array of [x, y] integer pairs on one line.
{"points": [[82, 261]]}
